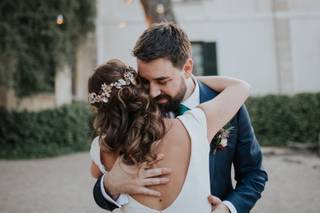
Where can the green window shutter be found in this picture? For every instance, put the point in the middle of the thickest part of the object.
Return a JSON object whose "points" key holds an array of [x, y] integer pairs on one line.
{"points": [[210, 58], [205, 58]]}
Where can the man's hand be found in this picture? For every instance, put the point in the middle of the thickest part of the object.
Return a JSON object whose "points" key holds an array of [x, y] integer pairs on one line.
{"points": [[217, 205], [134, 179]]}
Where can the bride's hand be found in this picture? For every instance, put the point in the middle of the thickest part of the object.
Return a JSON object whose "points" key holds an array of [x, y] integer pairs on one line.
{"points": [[217, 205], [134, 180]]}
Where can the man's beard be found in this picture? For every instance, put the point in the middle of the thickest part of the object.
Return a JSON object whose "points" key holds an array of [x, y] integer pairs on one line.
{"points": [[172, 103]]}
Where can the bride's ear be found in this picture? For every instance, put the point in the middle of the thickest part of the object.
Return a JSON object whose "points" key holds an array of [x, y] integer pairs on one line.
{"points": [[188, 67]]}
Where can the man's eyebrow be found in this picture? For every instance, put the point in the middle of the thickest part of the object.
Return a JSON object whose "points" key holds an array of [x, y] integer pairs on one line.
{"points": [[162, 78]]}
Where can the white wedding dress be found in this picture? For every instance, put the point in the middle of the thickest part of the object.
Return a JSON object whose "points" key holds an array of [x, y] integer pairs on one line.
{"points": [[196, 188]]}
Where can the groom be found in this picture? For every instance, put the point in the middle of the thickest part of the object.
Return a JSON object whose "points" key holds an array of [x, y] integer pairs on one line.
{"points": [[163, 51]]}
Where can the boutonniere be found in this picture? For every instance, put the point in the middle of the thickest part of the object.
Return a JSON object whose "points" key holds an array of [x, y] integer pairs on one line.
{"points": [[220, 140]]}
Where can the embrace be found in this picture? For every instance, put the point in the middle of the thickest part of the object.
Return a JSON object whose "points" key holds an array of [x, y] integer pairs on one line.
{"points": [[167, 140]]}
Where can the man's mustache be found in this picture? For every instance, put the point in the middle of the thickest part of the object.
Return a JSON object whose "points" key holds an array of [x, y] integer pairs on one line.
{"points": [[161, 97]]}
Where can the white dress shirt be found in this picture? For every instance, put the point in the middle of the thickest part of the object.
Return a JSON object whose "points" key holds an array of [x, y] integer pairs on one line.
{"points": [[190, 102]]}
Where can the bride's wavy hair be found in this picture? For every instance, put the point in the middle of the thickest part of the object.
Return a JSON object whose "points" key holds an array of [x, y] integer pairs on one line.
{"points": [[130, 123]]}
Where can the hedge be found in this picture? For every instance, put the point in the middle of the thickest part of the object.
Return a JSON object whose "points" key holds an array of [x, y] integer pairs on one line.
{"points": [[46, 133], [276, 120], [280, 119]]}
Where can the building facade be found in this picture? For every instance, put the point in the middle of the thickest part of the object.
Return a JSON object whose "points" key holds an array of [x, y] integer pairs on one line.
{"points": [[272, 44]]}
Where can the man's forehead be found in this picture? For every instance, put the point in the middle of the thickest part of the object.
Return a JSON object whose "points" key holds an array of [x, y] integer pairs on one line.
{"points": [[155, 78], [155, 72]]}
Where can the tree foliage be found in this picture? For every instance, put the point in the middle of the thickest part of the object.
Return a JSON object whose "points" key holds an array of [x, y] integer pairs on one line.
{"points": [[33, 45]]}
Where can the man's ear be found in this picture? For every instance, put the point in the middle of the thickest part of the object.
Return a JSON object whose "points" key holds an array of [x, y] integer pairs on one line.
{"points": [[188, 67]]}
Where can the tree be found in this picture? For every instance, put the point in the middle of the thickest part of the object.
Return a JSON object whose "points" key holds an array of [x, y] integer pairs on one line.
{"points": [[158, 11]]}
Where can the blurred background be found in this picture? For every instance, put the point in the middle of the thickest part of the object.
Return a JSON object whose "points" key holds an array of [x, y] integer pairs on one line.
{"points": [[48, 49]]}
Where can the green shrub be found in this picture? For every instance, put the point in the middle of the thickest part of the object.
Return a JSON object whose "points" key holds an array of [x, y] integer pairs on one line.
{"points": [[278, 119], [46, 133]]}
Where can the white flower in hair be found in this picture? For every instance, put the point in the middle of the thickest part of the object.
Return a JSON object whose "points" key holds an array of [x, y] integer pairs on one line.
{"points": [[107, 89], [129, 78]]}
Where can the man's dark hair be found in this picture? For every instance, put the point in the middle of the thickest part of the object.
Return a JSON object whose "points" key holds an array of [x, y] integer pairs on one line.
{"points": [[163, 40]]}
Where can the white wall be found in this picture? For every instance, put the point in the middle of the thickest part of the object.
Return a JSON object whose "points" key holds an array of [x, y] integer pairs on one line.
{"points": [[304, 5], [305, 38], [243, 30], [63, 86], [113, 41], [244, 50]]}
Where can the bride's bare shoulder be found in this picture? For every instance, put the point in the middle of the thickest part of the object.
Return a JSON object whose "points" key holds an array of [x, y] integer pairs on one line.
{"points": [[176, 130]]}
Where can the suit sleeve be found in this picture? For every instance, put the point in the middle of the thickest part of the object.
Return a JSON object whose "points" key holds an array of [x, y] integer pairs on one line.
{"points": [[249, 173], [99, 198]]}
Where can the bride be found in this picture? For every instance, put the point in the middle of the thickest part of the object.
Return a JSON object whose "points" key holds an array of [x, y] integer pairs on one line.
{"points": [[132, 132]]}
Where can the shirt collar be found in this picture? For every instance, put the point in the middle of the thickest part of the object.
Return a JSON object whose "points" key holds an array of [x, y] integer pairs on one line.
{"points": [[194, 99]]}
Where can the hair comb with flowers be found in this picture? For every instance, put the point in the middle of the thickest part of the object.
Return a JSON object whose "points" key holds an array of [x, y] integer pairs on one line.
{"points": [[128, 78]]}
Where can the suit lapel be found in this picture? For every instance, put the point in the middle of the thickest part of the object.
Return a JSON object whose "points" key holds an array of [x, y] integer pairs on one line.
{"points": [[206, 93], [218, 161]]}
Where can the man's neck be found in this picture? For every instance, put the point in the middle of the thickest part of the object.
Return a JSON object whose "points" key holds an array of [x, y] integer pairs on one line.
{"points": [[190, 88]]}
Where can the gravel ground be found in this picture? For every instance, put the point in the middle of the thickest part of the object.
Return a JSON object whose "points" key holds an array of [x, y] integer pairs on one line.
{"points": [[63, 184]]}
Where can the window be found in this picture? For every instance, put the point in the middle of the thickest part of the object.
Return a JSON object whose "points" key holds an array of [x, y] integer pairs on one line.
{"points": [[204, 58]]}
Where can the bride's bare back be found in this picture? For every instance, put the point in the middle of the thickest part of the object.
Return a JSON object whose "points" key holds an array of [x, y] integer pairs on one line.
{"points": [[177, 148]]}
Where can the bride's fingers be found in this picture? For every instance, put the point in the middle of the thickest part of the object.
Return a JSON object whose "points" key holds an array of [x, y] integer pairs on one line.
{"points": [[146, 191], [142, 170], [160, 157], [155, 172], [213, 200], [154, 181]]}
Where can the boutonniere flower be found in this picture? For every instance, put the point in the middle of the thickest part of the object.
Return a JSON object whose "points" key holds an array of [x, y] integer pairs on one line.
{"points": [[220, 140]]}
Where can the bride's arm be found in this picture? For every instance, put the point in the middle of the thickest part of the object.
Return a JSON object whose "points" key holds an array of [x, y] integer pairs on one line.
{"points": [[95, 171], [233, 93], [217, 83]]}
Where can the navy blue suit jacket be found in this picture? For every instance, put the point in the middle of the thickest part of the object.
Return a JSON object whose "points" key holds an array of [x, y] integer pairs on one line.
{"points": [[243, 151]]}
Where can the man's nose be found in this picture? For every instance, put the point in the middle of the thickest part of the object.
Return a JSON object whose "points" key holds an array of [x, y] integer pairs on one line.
{"points": [[154, 90]]}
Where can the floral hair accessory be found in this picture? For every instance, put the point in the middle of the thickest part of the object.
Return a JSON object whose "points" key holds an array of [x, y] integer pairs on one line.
{"points": [[128, 78]]}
